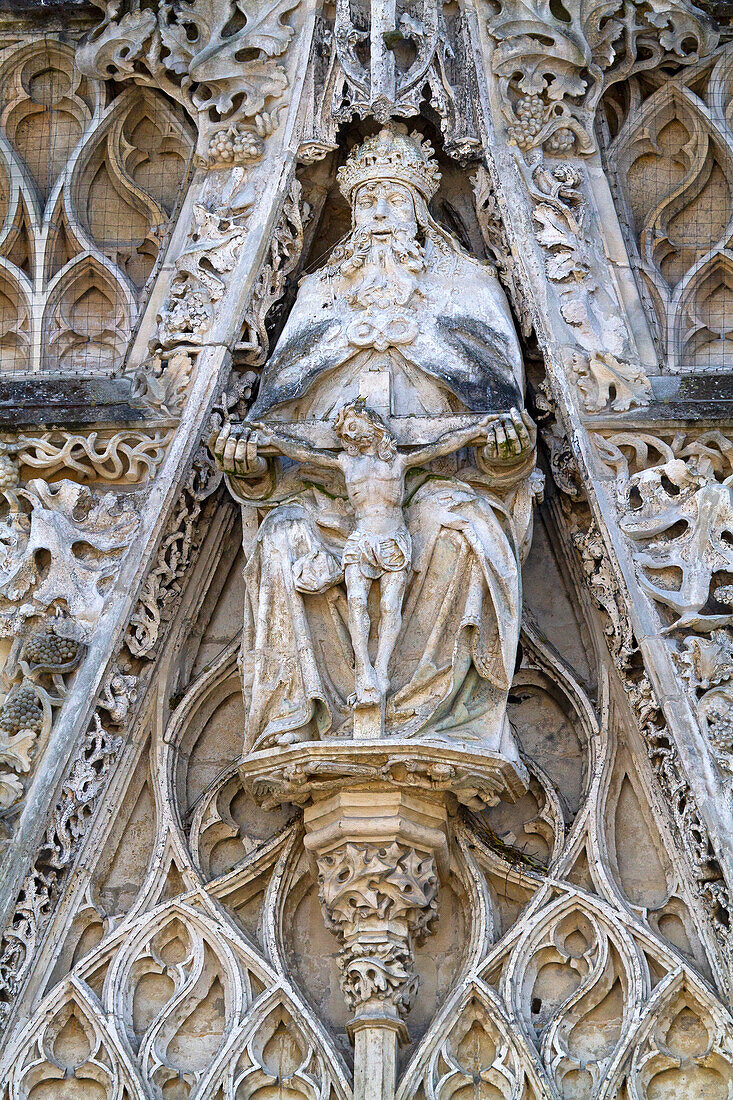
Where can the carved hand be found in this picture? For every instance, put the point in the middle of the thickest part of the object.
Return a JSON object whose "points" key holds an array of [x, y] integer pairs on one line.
{"points": [[510, 438], [235, 449]]}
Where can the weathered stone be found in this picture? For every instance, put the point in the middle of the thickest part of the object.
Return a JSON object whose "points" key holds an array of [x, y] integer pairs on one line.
{"points": [[414, 757]]}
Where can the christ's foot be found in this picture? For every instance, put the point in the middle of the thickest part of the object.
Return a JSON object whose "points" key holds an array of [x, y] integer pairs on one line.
{"points": [[367, 693]]}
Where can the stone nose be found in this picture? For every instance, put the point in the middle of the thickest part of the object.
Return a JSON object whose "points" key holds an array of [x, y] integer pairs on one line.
{"points": [[381, 210]]}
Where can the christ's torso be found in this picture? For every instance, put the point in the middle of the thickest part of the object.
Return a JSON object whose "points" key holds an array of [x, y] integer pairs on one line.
{"points": [[376, 490]]}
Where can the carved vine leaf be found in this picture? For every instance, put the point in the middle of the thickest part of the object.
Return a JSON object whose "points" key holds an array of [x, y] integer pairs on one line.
{"points": [[552, 70], [605, 381], [189, 51], [572, 257], [211, 251], [682, 521], [81, 539]]}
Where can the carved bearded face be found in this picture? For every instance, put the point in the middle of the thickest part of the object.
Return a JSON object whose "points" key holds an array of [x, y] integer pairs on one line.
{"points": [[387, 208], [358, 434], [382, 256]]}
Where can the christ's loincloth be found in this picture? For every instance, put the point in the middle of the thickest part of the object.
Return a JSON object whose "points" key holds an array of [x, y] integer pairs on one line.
{"points": [[378, 554]]}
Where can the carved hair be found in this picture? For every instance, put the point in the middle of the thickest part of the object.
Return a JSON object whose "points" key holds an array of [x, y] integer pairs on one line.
{"points": [[385, 441]]}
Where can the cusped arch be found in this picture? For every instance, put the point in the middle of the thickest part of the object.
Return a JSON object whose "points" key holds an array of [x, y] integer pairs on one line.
{"points": [[46, 108], [282, 1051], [680, 1046], [573, 982], [472, 1043], [673, 163], [701, 315], [89, 315], [176, 968], [68, 1040], [125, 183], [16, 318]]}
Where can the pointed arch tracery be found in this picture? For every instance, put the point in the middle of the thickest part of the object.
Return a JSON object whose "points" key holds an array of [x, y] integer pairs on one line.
{"points": [[671, 163], [87, 177]]}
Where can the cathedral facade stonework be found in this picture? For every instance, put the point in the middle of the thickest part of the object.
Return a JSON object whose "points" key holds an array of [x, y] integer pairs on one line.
{"points": [[366, 550]]}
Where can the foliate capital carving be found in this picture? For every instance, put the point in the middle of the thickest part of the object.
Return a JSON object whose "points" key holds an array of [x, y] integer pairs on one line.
{"points": [[377, 853], [360, 883], [553, 68], [379, 901], [378, 971]]}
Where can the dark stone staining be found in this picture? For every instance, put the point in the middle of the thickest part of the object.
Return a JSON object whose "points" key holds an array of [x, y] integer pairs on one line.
{"points": [[68, 401], [684, 399]]}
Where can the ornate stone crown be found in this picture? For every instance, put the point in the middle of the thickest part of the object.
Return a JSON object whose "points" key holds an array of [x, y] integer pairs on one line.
{"points": [[392, 154]]}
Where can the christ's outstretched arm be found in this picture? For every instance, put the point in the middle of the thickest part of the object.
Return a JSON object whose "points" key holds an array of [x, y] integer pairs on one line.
{"points": [[295, 448], [508, 435]]}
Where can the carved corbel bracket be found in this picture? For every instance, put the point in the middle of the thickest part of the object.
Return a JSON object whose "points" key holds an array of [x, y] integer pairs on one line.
{"points": [[310, 770], [379, 853], [375, 814]]}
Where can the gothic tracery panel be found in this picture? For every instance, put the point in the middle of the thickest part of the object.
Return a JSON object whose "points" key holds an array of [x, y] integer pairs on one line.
{"points": [[670, 152], [90, 180], [335, 759]]}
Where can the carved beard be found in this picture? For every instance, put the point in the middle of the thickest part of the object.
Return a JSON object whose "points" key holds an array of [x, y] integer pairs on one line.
{"points": [[381, 272]]}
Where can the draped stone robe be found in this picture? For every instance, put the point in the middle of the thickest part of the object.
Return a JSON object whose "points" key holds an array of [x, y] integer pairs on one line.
{"points": [[452, 349]]}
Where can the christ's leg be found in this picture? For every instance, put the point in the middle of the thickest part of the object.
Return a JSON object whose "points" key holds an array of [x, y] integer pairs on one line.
{"points": [[391, 593], [357, 592]]}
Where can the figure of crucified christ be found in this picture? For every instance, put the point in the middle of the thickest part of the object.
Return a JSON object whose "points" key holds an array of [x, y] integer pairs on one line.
{"points": [[379, 548]]}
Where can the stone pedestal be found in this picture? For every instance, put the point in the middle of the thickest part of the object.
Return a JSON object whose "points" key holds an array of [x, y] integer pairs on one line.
{"points": [[379, 854], [375, 812]]}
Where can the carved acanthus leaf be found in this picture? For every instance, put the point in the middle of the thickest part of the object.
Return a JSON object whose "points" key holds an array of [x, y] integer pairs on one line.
{"points": [[681, 522], [163, 383]]}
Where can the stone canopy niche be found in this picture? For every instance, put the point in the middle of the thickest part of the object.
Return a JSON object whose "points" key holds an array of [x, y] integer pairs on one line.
{"points": [[383, 575]]}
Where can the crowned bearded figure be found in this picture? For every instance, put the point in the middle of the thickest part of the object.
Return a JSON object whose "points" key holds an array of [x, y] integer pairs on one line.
{"points": [[390, 463]]}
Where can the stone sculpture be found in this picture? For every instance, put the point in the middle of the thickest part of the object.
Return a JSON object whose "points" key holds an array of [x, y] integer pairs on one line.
{"points": [[183, 883], [398, 356], [384, 582]]}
